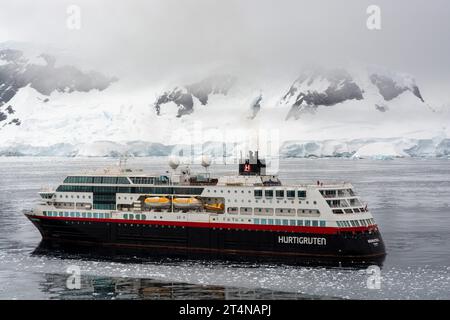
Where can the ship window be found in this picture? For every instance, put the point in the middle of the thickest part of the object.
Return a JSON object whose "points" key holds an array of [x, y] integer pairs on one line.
{"points": [[292, 222], [307, 223], [301, 193], [323, 223], [122, 180], [263, 221], [315, 223], [256, 221], [109, 180], [270, 221], [277, 222], [285, 222], [290, 193], [300, 223], [258, 193], [97, 180], [89, 214], [268, 193], [279, 193], [232, 210]]}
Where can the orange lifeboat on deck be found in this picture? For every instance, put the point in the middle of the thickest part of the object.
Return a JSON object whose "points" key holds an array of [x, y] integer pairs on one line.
{"points": [[214, 206], [157, 202], [187, 203]]}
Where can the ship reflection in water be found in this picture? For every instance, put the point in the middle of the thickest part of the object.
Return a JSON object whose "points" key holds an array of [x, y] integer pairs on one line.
{"points": [[95, 287], [55, 285]]}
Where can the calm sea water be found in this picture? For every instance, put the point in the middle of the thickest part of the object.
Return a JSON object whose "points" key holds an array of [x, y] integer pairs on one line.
{"points": [[410, 200]]}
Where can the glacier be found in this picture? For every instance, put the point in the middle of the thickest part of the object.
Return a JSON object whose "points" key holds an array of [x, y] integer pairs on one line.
{"points": [[382, 149]]}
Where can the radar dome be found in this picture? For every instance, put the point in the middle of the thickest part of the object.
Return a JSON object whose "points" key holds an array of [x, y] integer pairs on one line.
{"points": [[174, 162], [206, 161]]}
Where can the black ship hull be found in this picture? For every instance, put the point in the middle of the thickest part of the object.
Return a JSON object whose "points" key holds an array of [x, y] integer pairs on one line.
{"points": [[359, 247]]}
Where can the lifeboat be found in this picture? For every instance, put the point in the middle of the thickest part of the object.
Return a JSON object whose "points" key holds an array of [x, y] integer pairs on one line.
{"points": [[157, 202], [215, 206], [187, 203]]}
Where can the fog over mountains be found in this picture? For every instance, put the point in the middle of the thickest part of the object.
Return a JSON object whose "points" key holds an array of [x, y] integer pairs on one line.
{"points": [[49, 108]]}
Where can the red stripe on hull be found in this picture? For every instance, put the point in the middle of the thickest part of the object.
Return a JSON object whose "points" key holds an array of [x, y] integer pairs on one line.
{"points": [[239, 226]]}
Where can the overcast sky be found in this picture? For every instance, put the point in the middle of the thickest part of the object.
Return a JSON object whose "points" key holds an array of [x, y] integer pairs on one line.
{"points": [[150, 38]]}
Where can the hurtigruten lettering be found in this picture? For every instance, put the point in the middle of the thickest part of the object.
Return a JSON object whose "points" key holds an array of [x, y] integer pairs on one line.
{"points": [[302, 240]]}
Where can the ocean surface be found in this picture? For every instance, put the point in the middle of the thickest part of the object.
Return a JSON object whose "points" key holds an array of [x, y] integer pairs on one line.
{"points": [[409, 198]]}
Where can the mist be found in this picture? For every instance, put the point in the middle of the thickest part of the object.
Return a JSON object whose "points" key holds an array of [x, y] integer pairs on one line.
{"points": [[156, 39]]}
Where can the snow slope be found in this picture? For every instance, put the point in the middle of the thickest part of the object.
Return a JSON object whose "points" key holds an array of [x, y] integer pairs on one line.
{"points": [[357, 111]]}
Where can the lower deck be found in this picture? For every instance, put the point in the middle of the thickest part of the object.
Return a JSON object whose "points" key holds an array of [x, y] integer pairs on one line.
{"points": [[186, 238]]}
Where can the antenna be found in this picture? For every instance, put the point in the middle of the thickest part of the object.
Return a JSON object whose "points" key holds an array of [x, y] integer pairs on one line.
{"points": [[123, 162]]}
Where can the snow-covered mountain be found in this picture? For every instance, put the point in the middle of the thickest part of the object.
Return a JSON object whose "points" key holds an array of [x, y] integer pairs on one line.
{"points": [[184, 97], [51, 108], [40, 73]]}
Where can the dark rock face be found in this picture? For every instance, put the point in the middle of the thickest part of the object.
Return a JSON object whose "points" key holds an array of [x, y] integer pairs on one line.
{"points": [[255, 107], [317, 88], [202, 90], [341, 87], [382, 108], [389, 89], [183, 100], [305, 97], [5, 114], [18, 73]]}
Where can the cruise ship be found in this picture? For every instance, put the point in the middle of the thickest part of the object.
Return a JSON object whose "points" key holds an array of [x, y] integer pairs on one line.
{"points": [[247, 214]]}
